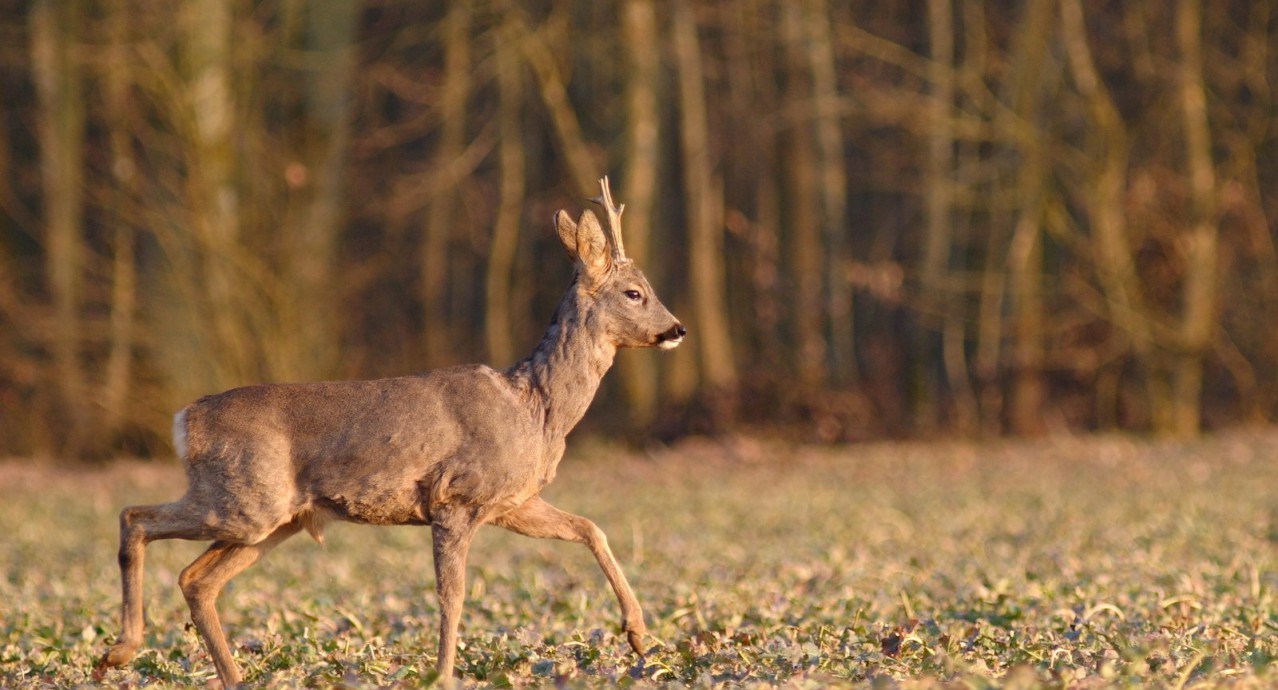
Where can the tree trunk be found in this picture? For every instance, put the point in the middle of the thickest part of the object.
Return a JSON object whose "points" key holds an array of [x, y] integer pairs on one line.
{"points": [[213, 194], [540, 53], [704, 199], [118, 77], [61, 134], [1025, 257], [313, 350], [639, 26], [1104, 195], [1199, 312], [505, 239], [441, 213], [1025, 261], [833, 186], [938, 198], [802, 204], [938, 202], [751, 65]]}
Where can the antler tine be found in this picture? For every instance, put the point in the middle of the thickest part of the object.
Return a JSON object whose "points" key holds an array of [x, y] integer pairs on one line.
{"points": [[614, 218]]}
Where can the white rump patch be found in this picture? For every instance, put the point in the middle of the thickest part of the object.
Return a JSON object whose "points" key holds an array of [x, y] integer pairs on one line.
{"points": [[179, 433]]}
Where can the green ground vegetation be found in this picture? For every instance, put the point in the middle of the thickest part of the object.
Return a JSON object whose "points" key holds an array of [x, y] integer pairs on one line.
{"points": [[1067, 563]]}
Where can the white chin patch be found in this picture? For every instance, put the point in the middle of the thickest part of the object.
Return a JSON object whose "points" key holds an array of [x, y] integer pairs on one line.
{"points": [[669, 344]]}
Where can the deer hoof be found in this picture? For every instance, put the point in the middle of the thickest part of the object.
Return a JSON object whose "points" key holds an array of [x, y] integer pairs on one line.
{"points": [[118, 655], [635, 633], [111, 659], [636, 641]]}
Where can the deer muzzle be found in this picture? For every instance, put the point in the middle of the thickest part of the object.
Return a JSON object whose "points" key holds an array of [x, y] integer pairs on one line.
{"points": [[671, 337]]}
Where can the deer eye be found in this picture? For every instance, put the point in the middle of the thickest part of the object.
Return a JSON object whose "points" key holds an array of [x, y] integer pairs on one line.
{"points": [[633, 295]]}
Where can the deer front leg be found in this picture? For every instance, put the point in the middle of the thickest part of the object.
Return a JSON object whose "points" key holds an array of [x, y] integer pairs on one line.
{"points": [[537, 518], [451, 534]]}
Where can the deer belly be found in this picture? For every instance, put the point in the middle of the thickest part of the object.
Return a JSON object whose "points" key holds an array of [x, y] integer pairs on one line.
{"points": [[403, 508]]}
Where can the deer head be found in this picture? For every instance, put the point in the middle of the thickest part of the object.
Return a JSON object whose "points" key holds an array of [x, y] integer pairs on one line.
{"points": [[621, 298]]}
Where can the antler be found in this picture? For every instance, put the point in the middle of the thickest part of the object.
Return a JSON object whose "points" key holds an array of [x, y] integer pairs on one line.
{"points": [[614, 219]]}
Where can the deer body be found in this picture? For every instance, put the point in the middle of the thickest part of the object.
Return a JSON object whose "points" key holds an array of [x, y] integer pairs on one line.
{"points": [[453, 448]]}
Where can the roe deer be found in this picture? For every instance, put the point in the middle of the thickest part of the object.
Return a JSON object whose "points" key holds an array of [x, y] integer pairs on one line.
{"points": [[453, 448]]}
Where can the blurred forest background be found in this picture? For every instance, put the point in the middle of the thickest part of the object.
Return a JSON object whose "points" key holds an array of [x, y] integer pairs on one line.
{"points": [[877, 218]]}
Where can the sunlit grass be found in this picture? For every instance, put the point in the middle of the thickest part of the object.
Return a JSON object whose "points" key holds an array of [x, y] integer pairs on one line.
{"points": [[1093, 563]]}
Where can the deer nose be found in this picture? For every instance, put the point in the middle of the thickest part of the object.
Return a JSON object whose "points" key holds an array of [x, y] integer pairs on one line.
{"points": [[672, 335]]}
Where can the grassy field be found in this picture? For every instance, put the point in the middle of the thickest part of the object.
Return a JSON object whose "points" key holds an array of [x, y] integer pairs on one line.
{"points": [[1070, 563]]}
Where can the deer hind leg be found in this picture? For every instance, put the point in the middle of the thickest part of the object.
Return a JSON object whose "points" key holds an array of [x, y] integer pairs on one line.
{"points": [[537, 518], [451, 533], [203, 580], [140, 525]]}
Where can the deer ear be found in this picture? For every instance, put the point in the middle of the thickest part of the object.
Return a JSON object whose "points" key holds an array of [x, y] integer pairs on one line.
{"points": [[592, 248], [567, 233]]}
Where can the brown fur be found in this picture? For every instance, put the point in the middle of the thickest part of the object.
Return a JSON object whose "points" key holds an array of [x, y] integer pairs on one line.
{"points": [[453, 448]]}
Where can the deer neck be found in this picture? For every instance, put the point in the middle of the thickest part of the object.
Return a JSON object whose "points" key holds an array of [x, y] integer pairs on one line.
{"points": [[565, 370]]}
